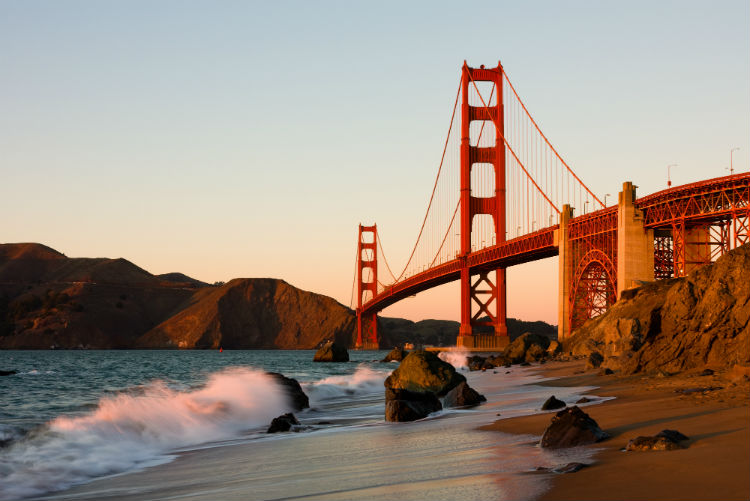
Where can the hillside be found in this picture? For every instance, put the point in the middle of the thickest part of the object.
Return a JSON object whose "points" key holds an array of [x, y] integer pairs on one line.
{"points": [[260, 313], [48, 300], [672, 325]]}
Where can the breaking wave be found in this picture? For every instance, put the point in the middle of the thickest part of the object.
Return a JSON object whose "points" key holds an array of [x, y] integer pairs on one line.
{"points": [[129, 431]]}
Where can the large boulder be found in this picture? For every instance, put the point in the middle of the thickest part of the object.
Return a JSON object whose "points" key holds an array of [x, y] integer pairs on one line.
{"points": [[517, 350], [331, 352], [405, 405], [423, 371], [293, 390], [571, 427], [397, 354], [463, 395]]}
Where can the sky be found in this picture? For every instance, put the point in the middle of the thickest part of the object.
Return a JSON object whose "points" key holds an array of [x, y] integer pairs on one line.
{"points": [[231, 139]]}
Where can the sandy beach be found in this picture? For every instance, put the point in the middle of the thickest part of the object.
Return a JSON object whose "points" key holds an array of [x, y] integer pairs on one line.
{"points": [[715, 465]]}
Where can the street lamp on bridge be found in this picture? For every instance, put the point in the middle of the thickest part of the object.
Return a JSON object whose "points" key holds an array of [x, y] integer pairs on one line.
{"points": [[731, 167], [605, 198], [669, 177]]}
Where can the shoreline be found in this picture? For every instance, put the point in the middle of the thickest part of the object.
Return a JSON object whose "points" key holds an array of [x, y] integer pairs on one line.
{"points": [[714, 465]]}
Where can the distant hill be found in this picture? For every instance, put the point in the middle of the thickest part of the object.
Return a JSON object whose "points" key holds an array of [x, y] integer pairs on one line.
{"points": [[48, 300]]}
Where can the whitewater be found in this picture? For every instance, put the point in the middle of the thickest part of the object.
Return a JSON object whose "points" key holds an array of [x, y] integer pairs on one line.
{"points": [[75, 421]]}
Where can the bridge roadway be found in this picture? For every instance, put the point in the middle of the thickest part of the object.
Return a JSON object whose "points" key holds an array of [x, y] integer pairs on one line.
{"points": [[713, 200]]}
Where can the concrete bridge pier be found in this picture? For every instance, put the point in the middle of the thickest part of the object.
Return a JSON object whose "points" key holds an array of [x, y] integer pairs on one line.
{"points": [[635, 243]]}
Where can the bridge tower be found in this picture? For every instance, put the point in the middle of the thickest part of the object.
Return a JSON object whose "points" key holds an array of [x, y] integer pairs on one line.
{"points": [[367, 259], [489, 297]]}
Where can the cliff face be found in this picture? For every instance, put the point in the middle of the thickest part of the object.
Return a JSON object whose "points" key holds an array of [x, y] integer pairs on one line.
{"points": [[259, 313], [677, 324]]}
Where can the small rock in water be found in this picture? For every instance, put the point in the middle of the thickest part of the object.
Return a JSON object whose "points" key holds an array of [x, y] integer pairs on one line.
{"points": [[331, 352], [570, 468], [583, 400], [552, 403], [463, 396], [293, 389], [282, 423], [8, 373]]}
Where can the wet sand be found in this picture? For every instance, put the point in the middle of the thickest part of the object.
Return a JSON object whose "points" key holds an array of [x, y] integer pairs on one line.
{"points": [[715, 465]]}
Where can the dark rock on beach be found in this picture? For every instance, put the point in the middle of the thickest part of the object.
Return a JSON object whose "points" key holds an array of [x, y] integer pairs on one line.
{"points": [[405, 405], [665, 440], [527, 348], [293, 390], [463, 396], [594, 361], [331, 352], [283, 423], [552, 403], [571, 427]]}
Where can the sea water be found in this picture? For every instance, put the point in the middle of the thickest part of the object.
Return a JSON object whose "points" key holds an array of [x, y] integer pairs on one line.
{"points": [[68, 418]]}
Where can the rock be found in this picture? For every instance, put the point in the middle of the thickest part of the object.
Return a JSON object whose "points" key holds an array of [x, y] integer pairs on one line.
{"points": [[517, 350], [404, 405], [554, 348], [707, 372], [331, 352], [535, 353], [571, 427], [397, 354], [570, 468], [524, 364], [423, 371], [673, 435], [583, 400], [552, 403], [475, 362], [606, 372], [652, 444], [8, 373], [463, 396], [283, 423], [293, 390], [595, 360], [677, 325]]}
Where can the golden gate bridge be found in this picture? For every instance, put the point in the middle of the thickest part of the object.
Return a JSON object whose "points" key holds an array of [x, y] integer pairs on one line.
{"points": [[503, 196]]}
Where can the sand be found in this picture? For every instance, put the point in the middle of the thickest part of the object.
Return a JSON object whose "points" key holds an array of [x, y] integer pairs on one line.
{"points": [[715, 465]]}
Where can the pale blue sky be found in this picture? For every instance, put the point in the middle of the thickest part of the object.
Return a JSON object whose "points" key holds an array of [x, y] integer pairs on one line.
{"points": [[227, 139]]}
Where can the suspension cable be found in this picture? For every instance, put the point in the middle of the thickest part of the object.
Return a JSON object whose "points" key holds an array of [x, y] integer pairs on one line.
{"points": [[509, 147], [354, 280], [434, 188], [505, 75]]}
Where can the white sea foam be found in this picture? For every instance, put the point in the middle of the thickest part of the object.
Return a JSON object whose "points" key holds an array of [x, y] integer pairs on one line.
{"points": [[458, 358], [131, 431], [363, 381]]}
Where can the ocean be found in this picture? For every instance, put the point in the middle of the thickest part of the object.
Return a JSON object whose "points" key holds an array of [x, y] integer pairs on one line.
{"points": [[146, 425]]}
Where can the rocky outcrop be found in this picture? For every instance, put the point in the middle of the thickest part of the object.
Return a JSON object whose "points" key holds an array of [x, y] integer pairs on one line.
{"points": [[397, 354], [331, 352], [283, 423], [527, 348], [405, 405], [571, 427], [679, 324], [292, 389], [413, 389]]}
